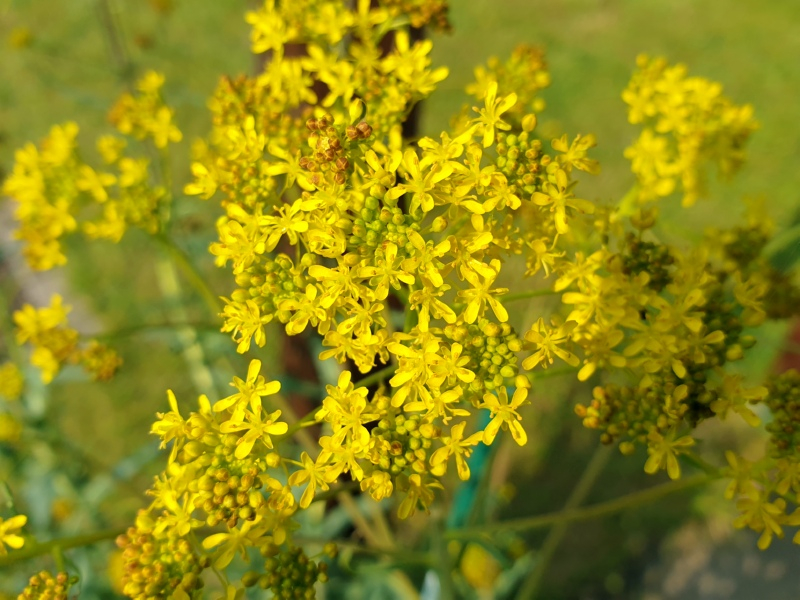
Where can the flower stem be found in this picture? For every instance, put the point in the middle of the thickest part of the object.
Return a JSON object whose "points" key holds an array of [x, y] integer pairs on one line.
{"points": [[376, 376], [705, 466], [397, 555], [133, 330], [7, 331], [191, 273], [528, 294], [193, 354], [64, 544], [531, 584], [116, 41], [594, 511], [444, 561], [58, 558], [547, 373]]}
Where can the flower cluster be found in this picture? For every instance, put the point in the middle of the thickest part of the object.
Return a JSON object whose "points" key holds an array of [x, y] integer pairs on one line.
{"points": [[54, 343], [46, 586], [289, 573], [400, 258], [159, 563], [687, 125], [57, 191], [143, 116], [766, 489]]}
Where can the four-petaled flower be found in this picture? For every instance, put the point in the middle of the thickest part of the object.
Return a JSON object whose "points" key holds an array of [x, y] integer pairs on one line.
{"points": [[490, 115], [504, 414]]}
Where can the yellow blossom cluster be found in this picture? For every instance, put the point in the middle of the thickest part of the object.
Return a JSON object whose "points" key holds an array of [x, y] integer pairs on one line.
{"points": [[11, 381], [57, 191], [765, 489], [142, 116], [332, 219], [687, 126], [53, 343], [46, 586], [402, 258]]}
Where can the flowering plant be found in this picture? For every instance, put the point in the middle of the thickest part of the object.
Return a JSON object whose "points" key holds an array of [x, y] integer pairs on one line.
{"points": [[393, 254]]}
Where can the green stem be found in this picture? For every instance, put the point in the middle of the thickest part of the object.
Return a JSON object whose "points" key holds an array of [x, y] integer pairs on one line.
{"points": [[193, 354], [347, 486], [398, 555], [7, 332], [548, 373], [147, 327], [444, 562], [531, 584], [587, 513], [401, 295], [628, 203], [198, 548], [481, 495], [701, 464], [9, 502], [528, 294], [64, 544], [58, 558], [116, 41], [297, 425], [376, 376], [191, 273]]}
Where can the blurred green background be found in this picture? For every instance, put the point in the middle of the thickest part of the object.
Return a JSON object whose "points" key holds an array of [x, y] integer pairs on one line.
{"points": [[57, 64]]}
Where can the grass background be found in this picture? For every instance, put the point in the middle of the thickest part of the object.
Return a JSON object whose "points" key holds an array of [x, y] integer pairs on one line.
{"points": [[68, 73]]}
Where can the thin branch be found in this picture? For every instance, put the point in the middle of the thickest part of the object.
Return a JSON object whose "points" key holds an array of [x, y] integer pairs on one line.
{"points": [[191, 273], [528, 294], [376, 376], [398, 555], [149, 327], [588, 513], [64, 544], [530, 586]]}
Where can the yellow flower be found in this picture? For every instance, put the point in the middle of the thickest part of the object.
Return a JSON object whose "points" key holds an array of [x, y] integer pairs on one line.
{"points": [[10, 428], [345, 409], [547, 342], [249, 392], [256, 428], [504, 414], [246, 322], [558, 195], [761, 514], [9, 533], [379, 485], [95, 183], [490, 115], [733, 396], [236, 539], [110, 148], [11, 381], [421, 183], [664, 450], [741, 473], [419, 492], [314, 475], [480, 294], [170, 426], [32, 322], [456, 445]]}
